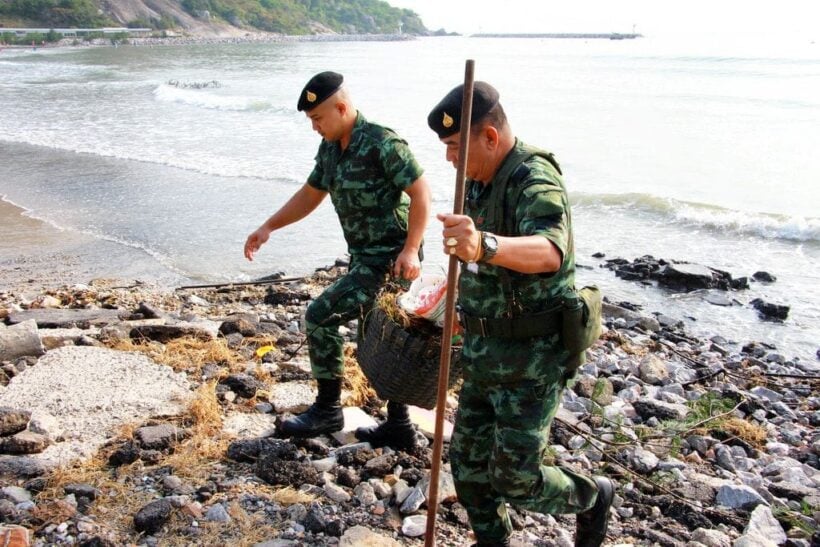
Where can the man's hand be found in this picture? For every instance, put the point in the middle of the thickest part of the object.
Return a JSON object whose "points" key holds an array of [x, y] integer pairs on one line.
{"points": [[460, 236], [407, 264], [256, 240]]}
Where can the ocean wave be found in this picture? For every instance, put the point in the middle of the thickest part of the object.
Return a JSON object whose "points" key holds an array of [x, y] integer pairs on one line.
{"points": [[202, 165], [713, 217], [204, 99]]}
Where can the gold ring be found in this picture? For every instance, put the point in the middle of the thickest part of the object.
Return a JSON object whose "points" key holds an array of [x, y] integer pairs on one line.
{"points": [[452, 250], [451, 242]]}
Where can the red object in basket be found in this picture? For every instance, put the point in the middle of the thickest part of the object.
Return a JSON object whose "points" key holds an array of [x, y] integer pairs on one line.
{"points": [[430, 299]]}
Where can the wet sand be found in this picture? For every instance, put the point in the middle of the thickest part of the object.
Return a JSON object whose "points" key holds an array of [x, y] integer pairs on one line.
{"points": [[36, 255]]}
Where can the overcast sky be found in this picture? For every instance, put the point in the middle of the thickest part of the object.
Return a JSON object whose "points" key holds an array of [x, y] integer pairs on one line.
{"points": [[649, 16]]}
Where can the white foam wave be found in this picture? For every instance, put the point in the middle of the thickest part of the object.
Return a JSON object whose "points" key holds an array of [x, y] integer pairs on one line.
{"points": [[768, 226], [713, 217], [204, 99]]}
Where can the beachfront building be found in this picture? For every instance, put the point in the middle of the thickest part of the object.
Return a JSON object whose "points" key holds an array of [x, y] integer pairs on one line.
{"points": [[78, 32]]}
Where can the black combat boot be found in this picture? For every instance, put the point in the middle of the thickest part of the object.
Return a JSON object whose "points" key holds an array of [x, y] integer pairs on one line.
{"points": [[396, 432], [590, 529], [323, 416]]}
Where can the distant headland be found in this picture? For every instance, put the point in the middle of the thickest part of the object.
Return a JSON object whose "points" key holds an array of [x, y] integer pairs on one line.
{"points": [[576, 35]]}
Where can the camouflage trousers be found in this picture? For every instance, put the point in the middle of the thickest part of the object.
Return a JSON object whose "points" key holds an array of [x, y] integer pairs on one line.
{"points": [[499, 441], [346, 299]]}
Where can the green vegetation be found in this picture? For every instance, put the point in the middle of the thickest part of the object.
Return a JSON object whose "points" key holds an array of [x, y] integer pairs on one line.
{"points": [[36, 38], [297, 16], [283, 16], [56, 13]]}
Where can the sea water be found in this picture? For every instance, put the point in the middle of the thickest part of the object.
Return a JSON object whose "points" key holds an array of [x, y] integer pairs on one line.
{"points": [[694, 148]]}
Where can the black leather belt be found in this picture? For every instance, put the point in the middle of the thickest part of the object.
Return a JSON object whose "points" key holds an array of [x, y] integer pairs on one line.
{"points": [[518, 326]]}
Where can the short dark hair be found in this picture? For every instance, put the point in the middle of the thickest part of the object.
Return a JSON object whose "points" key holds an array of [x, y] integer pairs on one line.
{"points": [[496, 117]]}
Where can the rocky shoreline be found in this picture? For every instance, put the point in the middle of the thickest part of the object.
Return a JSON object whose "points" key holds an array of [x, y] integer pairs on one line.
{"points": [[244, 38], [709, 446]]}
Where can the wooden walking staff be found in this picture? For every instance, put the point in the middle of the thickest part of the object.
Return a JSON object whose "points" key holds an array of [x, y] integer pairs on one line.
{"points": [[449, 310]]}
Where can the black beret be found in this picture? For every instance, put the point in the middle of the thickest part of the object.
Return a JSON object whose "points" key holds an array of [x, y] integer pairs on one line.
{"points": [[319, 88], [445, 118]]}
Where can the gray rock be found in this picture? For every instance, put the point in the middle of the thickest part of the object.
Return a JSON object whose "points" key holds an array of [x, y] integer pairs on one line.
{"points": [[766, 394], [652, 370], [244, 450], [413, 501], [153, 516], [365, 494], [359, 536], [243, 325], [15, 494], [626, 316], [24, 442], [243, 385], [643, 461], [380, 465], [724, 458], [380, 488], [13, 420], [446, 487], [414, 526], [711, 538], [159, 437], [762, 524], [217, 513], [20, 341], [686, 276], [765, 277], [149, 311], [325, 464], [336, 493], [315, 521], [23, 467], [46, 424], [82, 491], [648, 408], [736, 496], [401, 490]]}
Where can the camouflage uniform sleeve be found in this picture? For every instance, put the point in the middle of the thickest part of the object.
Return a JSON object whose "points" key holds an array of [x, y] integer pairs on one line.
{"points": [[400, 167], [541, 210], [317, 176]]}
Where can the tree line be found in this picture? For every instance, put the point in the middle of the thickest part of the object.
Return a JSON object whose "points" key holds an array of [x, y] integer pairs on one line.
{"points": [[282, 16]]}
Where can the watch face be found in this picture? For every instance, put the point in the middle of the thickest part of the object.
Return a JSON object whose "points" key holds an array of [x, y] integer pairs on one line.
{"points": [[490, 245]]}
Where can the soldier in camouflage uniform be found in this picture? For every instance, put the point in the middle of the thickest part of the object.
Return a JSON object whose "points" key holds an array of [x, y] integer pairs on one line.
{"points": [[382, 202], [516, 252]]}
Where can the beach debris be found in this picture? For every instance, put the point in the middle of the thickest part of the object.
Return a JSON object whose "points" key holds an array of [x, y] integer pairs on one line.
{"points": [[710, 441], [213, 84]]}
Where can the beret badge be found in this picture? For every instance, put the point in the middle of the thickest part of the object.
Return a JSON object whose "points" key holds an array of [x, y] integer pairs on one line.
{"points": [[311, 97], [447, 121]]}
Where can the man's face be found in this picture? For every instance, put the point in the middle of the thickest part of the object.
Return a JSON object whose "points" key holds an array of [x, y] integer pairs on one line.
{"points": [[326, 119], [475, 155]]}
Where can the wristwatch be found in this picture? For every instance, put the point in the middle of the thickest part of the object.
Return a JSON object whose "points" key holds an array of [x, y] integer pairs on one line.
{"points": [[489, 246]]}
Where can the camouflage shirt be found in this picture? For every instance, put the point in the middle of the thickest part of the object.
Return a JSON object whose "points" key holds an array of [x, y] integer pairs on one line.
{"points": [[542, 209], [366, 182]]}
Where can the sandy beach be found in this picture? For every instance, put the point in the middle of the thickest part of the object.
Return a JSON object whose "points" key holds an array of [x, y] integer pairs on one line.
{"points": [[35, 255]]}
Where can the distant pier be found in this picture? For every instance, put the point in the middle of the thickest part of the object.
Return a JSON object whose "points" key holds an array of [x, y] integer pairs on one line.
{"points": [[573, 35]]}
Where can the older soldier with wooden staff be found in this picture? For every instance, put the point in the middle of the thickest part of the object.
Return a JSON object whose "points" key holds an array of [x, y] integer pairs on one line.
{"points": [[517, 259], [449, 310]]}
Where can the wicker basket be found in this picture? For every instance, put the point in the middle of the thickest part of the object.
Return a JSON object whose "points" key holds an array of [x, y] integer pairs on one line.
{"points": [[402, 365]]}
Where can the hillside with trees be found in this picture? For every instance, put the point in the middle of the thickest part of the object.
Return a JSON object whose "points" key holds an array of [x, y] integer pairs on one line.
{"points": [[217, 16]]}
